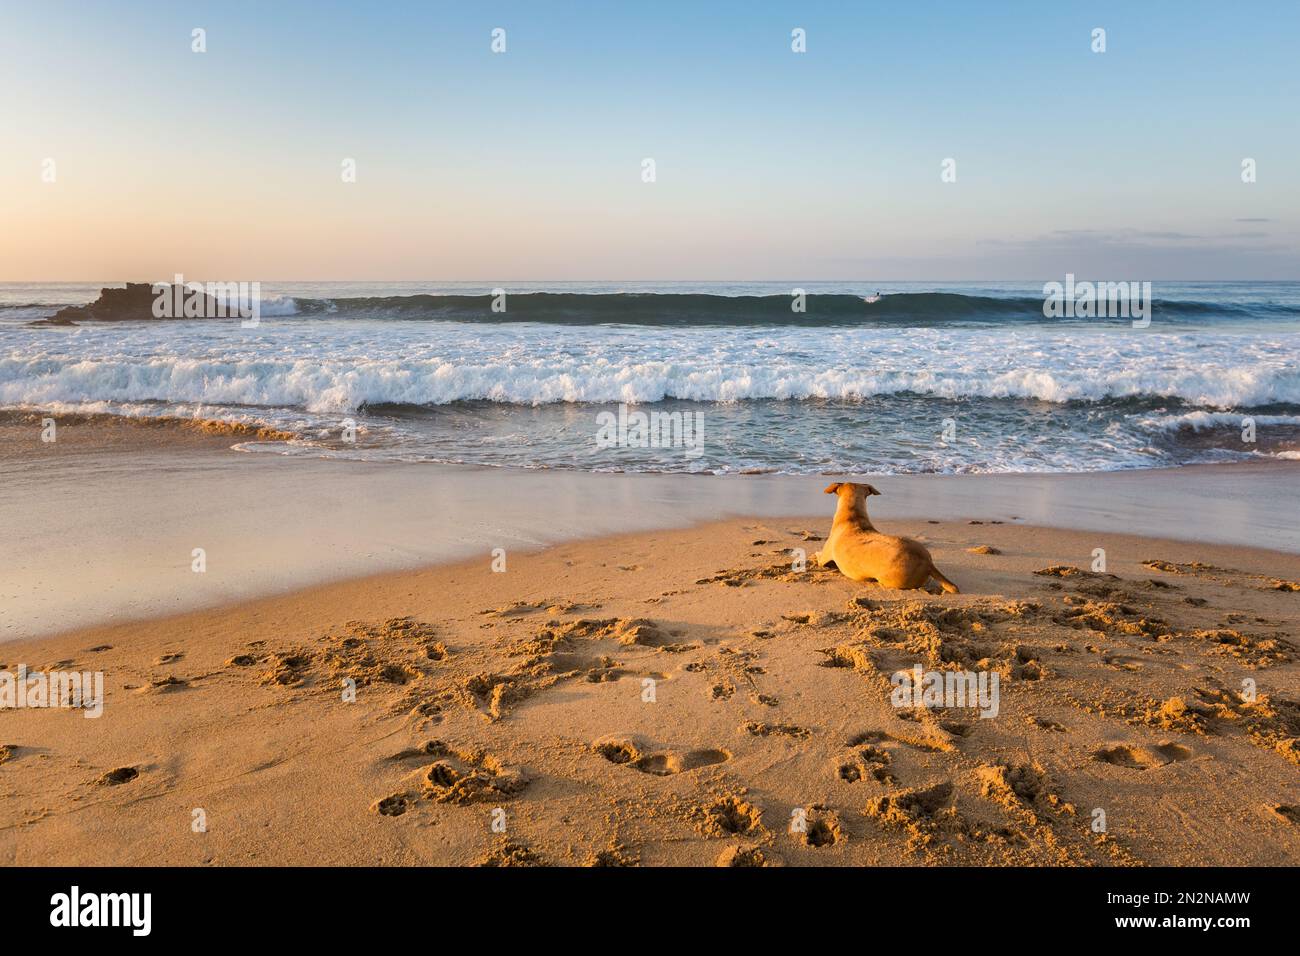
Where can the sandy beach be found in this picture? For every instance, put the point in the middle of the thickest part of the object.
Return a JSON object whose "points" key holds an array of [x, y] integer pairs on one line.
{"points": [[438, 438], [685, 691]]}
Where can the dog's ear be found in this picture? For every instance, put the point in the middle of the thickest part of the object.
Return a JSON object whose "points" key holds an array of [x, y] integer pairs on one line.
{"points": [[834, 488], [869, 489]]}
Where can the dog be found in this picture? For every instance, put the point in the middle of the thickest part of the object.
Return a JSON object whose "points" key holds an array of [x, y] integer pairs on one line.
{"points": [[861, 553]]}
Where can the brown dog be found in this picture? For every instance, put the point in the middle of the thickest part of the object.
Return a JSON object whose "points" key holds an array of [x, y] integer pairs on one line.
{"points": [[862, 553]]}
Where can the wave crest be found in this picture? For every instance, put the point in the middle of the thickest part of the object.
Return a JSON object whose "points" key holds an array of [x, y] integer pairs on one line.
{"points": [[337, 386], [659, 308]]}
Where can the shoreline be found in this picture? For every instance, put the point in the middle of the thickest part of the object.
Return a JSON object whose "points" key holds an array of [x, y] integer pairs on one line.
{"points": [[104, 529], [811, 529]]}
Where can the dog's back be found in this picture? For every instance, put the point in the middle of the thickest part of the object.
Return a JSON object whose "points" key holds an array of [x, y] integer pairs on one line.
{"points": [[890, 561], [862, 553]]}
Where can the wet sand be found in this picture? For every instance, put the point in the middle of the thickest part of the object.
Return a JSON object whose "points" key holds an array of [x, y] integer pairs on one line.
{"points": [[101, 526]]}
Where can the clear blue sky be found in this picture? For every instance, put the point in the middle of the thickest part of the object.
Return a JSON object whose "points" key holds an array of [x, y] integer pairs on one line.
{"points": [[770, 164]]}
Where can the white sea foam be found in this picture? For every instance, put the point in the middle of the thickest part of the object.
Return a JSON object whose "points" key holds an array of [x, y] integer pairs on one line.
{"points": [[306, 375], [335, 367], [279, 306], [1201, 420]]}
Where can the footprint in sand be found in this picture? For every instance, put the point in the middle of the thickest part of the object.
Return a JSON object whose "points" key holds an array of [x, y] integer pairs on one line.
{"points": [[1142, 758], [821, 827], [678, 648], [1284, 811], [731, 816], [870, 762], [916, 810], [617, 752], [663, 764], [667, 764], [867, 737], [288, 669], [924, 744], [510, 854], [515, 609], [393, 806], [1153, 584], [873, 758], [747, 856], [1045, 723], [759, 729], [430, 748], [957, 728], [121, 775], [614, 855], [163, 685]]}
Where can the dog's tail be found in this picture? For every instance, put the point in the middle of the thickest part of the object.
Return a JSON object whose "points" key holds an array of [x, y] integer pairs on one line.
{"points": [[944, 583]]}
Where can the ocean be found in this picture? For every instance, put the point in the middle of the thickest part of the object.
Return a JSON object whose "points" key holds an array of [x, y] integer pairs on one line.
{"points": [[929, 378]]}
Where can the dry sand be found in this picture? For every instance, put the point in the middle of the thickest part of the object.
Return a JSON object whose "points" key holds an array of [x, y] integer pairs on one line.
{"points": [[520, 699]]}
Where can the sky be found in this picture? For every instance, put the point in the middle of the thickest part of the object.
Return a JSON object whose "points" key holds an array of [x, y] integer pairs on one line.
{"points": [[228, 165]]}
